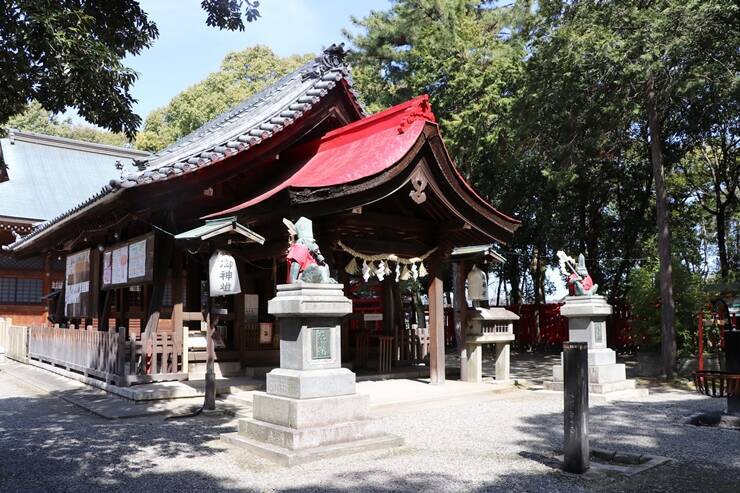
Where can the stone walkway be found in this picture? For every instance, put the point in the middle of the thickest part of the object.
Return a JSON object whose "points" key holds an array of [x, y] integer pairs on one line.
{"points": [[503, 443]]}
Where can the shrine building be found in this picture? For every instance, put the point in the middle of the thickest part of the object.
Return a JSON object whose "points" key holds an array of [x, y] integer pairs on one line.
{"points": [[391, 213]]}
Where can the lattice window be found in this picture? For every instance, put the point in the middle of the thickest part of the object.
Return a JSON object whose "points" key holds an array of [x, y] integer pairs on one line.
{"points": [[21, 291], [7, 289], [29, 291], [495, 327]]}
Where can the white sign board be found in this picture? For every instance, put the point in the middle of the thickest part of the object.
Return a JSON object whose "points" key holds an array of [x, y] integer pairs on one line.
{"points": [[137, 259], [120, 265]]}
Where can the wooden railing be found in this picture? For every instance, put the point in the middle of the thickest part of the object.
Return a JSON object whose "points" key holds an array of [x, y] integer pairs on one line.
{"points": [[14, 339], [90, 352], [107, 356]]}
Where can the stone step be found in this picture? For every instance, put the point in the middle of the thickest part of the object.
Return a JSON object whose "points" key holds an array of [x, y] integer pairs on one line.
{"points": [[287, 457]]}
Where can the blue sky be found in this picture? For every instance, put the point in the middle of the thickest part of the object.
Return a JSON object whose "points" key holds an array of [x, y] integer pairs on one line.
{"points": [[187, 50]]}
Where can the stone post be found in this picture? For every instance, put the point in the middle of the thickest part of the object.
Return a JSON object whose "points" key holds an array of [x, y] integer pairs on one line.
{"points": [[575, 412], [732, 355], [310, 410]]}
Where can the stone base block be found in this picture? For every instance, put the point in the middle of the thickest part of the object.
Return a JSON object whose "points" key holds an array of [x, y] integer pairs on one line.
{"points": [[306, 413], [297, 439], [309, 384], [623, 390], [289, 457], [600, 374]]}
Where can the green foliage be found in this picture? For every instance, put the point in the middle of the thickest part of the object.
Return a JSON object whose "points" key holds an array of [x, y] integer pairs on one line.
{"points": [[242, 74], [543, 106], [37, 119], [643, 295], [68, 53]]}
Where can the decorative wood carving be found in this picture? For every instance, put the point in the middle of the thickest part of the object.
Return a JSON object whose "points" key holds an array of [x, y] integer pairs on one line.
{"points": [[419, 182]]}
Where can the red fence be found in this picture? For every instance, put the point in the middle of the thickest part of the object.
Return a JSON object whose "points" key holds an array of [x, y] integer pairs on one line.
{"points": [[553, 327]]}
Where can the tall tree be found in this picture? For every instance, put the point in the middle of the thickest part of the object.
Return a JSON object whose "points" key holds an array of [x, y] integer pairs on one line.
{"points": [[242, 74], [37, 119], [654, 59], [68, 53]]}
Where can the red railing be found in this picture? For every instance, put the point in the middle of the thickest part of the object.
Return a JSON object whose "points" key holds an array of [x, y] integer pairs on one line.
{"points": [[553, 327]]}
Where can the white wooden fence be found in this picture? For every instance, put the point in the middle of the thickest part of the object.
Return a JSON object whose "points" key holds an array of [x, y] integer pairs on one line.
{"points": [[90, 352], [14, 339], [107, 356]]}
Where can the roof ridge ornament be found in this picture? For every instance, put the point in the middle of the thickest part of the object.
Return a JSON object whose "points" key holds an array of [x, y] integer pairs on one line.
{"points": [[331, 58], [420, 110]]}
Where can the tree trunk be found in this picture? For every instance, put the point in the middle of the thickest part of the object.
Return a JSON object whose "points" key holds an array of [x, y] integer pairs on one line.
{"points": [[667, 308], [721, 218]]}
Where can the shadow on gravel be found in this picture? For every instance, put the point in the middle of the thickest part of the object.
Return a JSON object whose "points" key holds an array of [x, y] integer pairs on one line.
{"points": [[47, 444], [703, 459]]}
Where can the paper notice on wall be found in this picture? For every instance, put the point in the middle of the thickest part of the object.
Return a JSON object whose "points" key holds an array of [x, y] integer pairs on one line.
{"points": [[137, 259], [107, 268], [120, 265], [73, 291], [251, 307]]}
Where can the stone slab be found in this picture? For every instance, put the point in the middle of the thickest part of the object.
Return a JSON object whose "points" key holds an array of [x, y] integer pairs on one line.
{"points": [[297, 439], [309, 299], [600, 374], [309, 384], [289, 458], [585, 306], [306, 413]]}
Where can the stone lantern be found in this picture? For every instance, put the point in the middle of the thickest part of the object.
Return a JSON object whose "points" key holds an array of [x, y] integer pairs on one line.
{"points": [[488, 326]]}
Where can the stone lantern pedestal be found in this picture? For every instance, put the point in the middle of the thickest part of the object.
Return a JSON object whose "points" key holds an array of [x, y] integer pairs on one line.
{"points": [[310, 410], [587, 323]]}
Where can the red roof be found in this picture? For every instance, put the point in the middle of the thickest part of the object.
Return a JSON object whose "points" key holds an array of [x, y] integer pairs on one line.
{"points": [[355, 151], [360, 150]]}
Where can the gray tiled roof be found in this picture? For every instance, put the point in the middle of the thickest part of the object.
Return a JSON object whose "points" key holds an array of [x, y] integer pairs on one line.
{"points": [[48, 175], [254, 120], [258, 118]]}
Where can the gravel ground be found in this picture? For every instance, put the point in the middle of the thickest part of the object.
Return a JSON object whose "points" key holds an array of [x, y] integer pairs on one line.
{"points": [[507, 444]]}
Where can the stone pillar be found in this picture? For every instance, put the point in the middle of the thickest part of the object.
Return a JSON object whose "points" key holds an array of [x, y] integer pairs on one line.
{"points": [[575, 407], [732, 355], [310, 410], [503, 363], [587, 323], [473, 364]]}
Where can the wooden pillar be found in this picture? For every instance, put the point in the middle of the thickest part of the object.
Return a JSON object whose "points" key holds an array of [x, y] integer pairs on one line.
{"points": [[388, 306], [47, 284], [459, 272], [178, 327], [436, 330]]}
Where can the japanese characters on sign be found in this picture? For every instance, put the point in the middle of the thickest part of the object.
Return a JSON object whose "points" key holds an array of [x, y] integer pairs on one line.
{"points": [[129, 263], [223, 275]]}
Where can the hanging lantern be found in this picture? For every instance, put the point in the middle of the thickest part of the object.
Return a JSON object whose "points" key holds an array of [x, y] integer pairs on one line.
{"points": [[351, 268]]}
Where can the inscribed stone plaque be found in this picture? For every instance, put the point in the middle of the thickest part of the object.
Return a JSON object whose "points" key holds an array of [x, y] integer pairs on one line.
{"points": [[321, 343], [599, 328]]}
